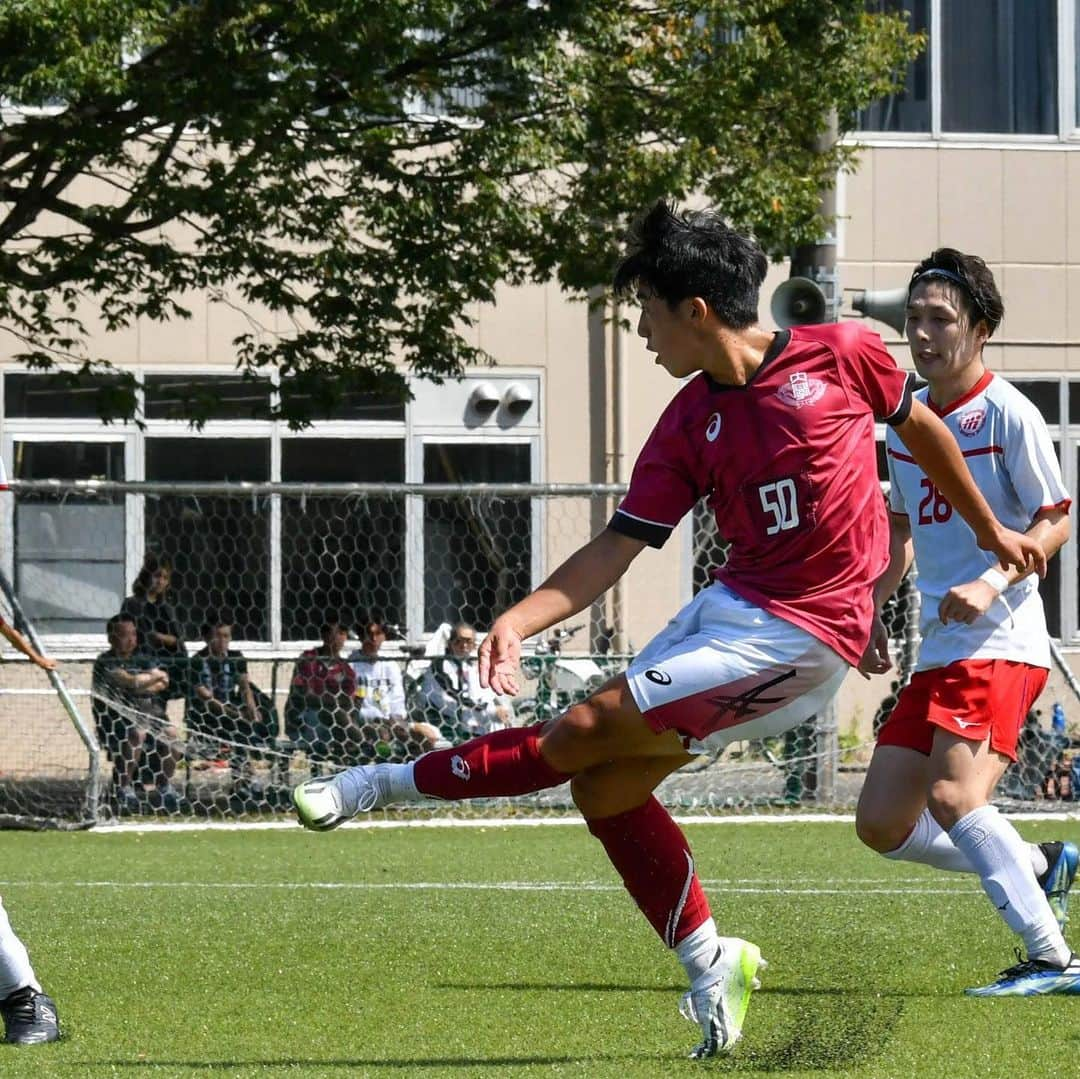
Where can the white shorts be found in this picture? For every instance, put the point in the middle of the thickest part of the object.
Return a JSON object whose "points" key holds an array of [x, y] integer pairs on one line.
{"points": [[723, 670]]}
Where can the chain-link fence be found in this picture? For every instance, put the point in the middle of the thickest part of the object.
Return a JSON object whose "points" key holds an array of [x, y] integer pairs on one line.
{"points": [[179, 716]]}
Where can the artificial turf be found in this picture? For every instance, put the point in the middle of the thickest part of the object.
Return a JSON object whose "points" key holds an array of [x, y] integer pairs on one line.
{"points": [[503, 952]]}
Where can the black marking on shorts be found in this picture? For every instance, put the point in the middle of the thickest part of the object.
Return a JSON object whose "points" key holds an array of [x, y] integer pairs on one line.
{"points": [[743, 704]]}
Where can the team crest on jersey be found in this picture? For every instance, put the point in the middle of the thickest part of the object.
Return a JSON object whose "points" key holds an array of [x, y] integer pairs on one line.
{"points": [[971, 423], [801, 390]]}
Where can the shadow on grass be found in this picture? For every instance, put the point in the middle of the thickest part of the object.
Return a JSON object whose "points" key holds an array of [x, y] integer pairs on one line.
{"points": [[473, 1064], [573, 987]]}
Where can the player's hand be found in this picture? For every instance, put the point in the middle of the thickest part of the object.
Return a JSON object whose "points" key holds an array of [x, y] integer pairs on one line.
{"points": [[875, 660], [46, 663], [498, 658], [967, 602], [1017, 549]]}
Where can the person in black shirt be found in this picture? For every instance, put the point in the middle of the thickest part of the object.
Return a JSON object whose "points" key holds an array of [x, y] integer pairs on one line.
{"points": [[157, 627], [223, 703], [129, 712]]}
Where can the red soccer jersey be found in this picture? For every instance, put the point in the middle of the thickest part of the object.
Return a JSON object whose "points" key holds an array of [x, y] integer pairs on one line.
{"points": [[789, 466]]}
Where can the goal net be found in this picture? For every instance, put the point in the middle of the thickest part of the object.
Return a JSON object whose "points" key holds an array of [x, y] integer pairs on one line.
{"points": [[50, 773], [196, 732]]}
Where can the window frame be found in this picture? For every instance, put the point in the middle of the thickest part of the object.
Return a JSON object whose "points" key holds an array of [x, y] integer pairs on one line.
{"points": [[444, 428], [1068, 89]]}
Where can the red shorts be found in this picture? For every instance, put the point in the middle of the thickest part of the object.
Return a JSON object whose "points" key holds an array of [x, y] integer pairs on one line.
{"points": [[974, 699]]}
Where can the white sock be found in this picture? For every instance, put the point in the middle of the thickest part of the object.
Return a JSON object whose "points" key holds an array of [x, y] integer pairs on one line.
{"points": [[1002, 860], [394, 783], [15, 969], [698, 950], [929, 844]]}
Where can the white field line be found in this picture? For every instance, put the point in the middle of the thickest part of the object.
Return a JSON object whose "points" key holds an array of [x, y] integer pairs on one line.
{"points": [[131, 828], [852, 887]]}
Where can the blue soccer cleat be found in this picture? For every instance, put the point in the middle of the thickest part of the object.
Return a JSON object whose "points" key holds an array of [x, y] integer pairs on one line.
{"points": [[1061, 861], [1033, 978]]}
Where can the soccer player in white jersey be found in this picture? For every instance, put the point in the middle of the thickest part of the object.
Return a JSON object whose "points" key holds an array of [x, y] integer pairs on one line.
{"points": [[777, 429], [985, 651], [29, 1014]]}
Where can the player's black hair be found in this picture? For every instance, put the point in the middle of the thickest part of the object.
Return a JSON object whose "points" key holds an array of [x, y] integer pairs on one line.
{"points": [[694, 253], [333, 620], [151, 564], [116, 620], [214, 619], [977, 286]]}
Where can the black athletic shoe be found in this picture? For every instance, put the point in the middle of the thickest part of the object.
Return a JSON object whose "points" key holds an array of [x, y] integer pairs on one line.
{"points": [[29, 1017]]}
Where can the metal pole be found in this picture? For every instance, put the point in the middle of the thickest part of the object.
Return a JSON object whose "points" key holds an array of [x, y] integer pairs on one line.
{"points": [[87, 735]]}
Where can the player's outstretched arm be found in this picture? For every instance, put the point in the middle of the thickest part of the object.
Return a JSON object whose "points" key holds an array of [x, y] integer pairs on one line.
{"points": [[875, 658], [934, 448], [588, 573], [18, 641]]}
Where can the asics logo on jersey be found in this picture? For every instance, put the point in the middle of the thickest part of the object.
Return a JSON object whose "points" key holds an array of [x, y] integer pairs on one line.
{"points": [[659, 677], [460, 767], [714, 427], [801, 390], [971, 422], [745, 703]]}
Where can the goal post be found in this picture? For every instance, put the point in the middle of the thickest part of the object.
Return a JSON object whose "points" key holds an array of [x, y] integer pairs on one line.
{"points": [[44, 782]]}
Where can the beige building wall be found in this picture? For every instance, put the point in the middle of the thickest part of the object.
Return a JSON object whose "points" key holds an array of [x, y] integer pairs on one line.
{"points": [[1017, 205]]}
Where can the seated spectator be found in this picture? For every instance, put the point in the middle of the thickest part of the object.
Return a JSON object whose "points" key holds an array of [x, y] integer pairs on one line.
{"points": [[387, 731], [452, 692], [319, 713], [129, 691], [225, 705], [157, 628]]}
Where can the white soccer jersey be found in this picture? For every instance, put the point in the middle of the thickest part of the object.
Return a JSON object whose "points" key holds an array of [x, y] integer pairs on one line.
{"points": [[1006, 445]]}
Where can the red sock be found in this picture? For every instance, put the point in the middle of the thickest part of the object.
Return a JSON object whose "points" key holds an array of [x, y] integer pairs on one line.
{"points": [[650, 853], [502, 763]]}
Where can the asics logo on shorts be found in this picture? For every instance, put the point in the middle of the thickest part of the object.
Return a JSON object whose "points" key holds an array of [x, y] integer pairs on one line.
{"points": [[714, 427], [460, 767], [743, 704], [658, 677]]}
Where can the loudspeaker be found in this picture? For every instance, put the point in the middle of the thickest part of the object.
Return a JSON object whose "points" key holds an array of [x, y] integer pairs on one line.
{"points": [[798, 302], [888, 305]]}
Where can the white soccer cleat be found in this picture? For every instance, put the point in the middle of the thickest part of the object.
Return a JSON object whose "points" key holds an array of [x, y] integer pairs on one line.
{"points": [[324, 803], [719, 1008]]}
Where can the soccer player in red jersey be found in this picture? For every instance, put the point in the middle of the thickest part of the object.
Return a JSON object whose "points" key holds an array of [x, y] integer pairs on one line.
{"points": [[777, 430], [985, 651]]}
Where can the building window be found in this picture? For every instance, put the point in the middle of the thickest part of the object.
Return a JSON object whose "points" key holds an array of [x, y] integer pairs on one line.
{"points": [[219, 545], [346, 557], [992, 69], [69, 550], [61, 396], [278, 562], [999, 66], [908, 109], [175, 397], [477, 551]]}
